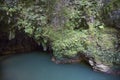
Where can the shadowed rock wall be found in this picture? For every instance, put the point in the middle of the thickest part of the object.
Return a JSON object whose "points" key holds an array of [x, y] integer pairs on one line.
{"points": [[21, 43]]}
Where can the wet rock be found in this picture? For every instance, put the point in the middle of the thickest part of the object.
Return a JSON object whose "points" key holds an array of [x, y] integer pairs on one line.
{"points": [[96, 65], [65, 60]]}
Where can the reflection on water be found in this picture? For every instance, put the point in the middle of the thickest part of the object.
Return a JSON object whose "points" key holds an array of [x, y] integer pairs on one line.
{"points": [[38, 66]]}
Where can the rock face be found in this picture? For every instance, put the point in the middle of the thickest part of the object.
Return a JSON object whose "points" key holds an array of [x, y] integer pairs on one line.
{"points": [[21, 43], [111, 18], [58, 19], [115, 17], [98, 66], [66, 61]]}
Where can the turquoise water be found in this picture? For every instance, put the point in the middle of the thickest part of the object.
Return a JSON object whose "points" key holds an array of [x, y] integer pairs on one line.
{"points": [[38, 66]]}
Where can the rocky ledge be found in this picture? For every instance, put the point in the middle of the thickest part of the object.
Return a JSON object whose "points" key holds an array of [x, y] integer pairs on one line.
{"points": [[95, 65]]}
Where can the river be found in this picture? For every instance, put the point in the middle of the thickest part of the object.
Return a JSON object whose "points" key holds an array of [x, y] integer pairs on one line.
{"points": [[38, 66]]}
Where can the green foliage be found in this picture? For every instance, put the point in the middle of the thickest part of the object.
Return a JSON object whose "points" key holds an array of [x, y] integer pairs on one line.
{"points": [[69, 44], [99, 45], [27, 16], [8, 17], [32, 19], [84, 13]]}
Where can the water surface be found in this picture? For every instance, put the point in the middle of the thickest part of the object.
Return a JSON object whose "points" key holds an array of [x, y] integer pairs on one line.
{"points": [[38, 66]]}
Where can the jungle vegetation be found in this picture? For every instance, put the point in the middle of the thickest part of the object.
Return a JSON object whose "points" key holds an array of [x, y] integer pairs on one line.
{"points": [[68, 27]]}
